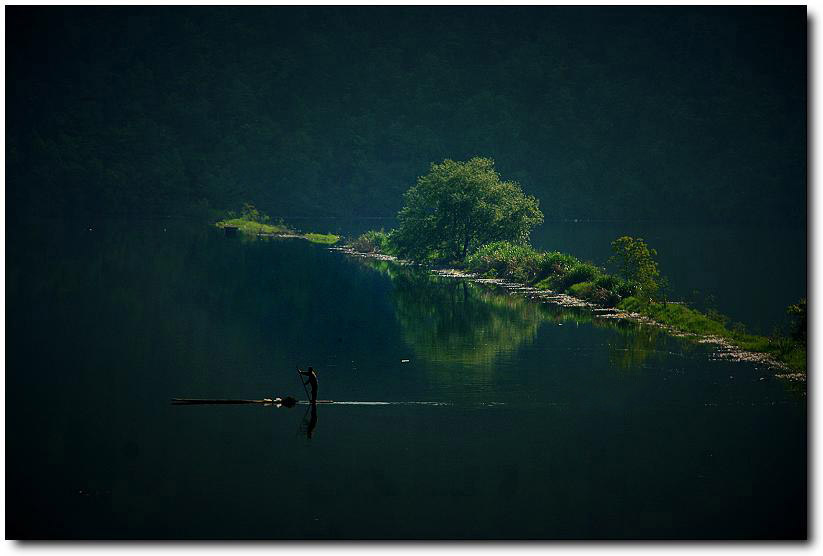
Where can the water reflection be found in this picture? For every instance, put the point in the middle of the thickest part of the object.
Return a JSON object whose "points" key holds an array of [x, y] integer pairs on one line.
{"points": [[451, 321], [633, 345], [310, 420]]}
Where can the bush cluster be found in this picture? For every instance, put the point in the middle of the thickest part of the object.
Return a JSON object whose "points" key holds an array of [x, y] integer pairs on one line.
{"points": [[506, 260], [374, 241], [549, 270]]}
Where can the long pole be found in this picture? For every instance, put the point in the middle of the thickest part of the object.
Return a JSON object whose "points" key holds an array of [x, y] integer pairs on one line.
{"points": [[303, 383]]}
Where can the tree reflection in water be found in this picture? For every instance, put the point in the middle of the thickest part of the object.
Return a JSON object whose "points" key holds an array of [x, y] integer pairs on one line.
{"points": [[452, 321], [632, 346]]}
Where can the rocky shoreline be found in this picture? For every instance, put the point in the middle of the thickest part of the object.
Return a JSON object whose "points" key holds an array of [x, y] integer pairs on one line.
{"points": [[724, 350]]}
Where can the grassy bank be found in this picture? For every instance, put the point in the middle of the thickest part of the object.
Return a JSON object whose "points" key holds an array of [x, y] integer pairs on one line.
{"points": [[251, 227], [323, 239], [255, 224], [566, 273], [685, 319]]}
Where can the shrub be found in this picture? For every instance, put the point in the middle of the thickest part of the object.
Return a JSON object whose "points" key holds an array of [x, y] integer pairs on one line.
{"points": [[615, 284], [555, 262], [583, 290], [615, 287], [590, 291], [510, 260], [579, 272], [252, 214], [373, 241]]}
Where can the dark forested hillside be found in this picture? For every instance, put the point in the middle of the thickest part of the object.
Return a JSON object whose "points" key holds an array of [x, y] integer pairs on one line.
{"points": [[653, 113]]}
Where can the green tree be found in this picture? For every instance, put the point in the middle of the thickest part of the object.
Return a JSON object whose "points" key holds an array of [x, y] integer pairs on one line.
{"points": [[635, 264], [251, 213], [459, 206]]}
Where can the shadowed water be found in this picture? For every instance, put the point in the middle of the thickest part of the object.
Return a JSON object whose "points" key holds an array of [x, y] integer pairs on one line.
{"points": [[510, 419]]}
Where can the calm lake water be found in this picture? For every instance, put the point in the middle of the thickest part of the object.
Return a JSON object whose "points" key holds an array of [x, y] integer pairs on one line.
{"points": [[539, 422]]}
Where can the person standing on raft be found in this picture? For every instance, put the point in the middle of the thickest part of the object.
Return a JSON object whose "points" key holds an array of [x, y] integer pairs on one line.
{"points": [[312, 374]]}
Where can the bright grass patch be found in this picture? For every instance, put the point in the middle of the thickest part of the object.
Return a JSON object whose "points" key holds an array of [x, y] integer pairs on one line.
{"points": [[253, 228], [324, 239]]}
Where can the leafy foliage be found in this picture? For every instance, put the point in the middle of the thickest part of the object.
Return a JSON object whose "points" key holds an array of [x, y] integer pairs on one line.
{"points": [[505, 259], [459, 206], [636, 265], [576, 273], [618, 287], [252, 214], [373, 241], [553, 270]]}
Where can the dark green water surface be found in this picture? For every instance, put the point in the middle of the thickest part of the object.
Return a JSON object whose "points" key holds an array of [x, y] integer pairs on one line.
{"points": [[546, 424]]}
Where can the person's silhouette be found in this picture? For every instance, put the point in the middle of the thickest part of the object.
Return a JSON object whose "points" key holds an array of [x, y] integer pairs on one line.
{"points": [[312, 421]]}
